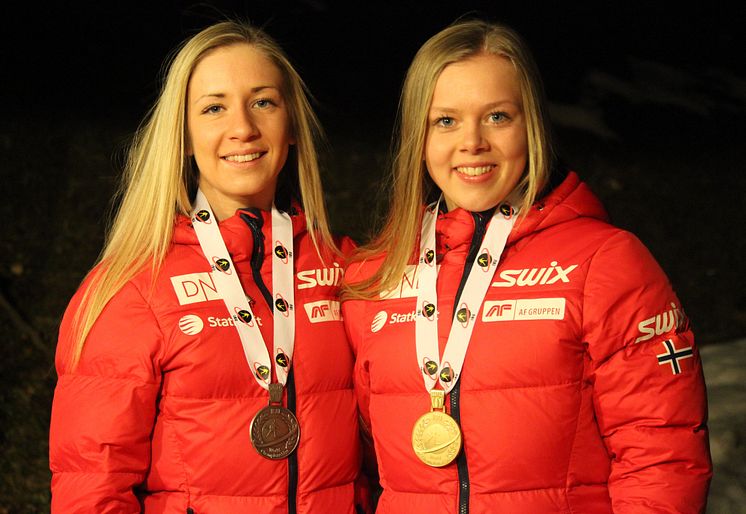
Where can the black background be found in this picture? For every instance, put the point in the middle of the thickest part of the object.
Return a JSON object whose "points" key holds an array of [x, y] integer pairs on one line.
{"points": [[666, 84]]}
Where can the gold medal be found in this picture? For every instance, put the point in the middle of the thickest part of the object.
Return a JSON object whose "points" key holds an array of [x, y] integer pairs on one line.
{"points": [[436, 437]]}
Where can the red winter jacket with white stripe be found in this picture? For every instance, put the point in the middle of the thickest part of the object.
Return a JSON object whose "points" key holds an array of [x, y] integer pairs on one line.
{"points": [[581, 391], [156, 416]]}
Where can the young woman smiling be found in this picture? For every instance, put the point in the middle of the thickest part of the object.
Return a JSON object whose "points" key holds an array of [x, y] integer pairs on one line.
{"points": [[514, 351], [194, 373]]}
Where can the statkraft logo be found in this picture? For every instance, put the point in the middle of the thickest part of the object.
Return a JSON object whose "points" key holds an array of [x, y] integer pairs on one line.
{"points": [[534, 276], [194, 288], [308, 279], [191, 324], [663, 323], [382, 318], [323, 310], [524, 309]]}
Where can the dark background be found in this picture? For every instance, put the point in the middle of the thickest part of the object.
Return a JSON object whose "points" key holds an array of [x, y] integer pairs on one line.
{"points": [[648, 102]]}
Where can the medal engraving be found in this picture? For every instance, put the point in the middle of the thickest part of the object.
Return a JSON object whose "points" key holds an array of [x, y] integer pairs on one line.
{"points": [[274, 430], [436, 437]]}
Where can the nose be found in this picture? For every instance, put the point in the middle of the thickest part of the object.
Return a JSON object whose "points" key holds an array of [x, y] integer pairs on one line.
{"points": [[473, 138], [243, 126]]}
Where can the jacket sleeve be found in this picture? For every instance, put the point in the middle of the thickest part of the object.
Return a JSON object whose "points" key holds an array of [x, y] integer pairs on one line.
{"points": [[104, 410], [649, 391]]}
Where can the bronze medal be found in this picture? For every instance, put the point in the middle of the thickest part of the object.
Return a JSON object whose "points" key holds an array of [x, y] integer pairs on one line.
{"points": [[274, 430], [436, 437]]}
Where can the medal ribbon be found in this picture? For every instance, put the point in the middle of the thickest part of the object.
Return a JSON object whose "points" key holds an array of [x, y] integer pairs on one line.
{"points": [[230, 290], [448, 371]]}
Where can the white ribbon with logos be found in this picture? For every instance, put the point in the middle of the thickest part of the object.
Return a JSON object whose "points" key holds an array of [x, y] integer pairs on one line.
{"points": [[230, 290], [448, 370]]}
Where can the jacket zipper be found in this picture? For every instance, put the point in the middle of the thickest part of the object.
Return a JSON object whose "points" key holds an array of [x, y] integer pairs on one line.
{"points": [[480, 227], [257, 258]]}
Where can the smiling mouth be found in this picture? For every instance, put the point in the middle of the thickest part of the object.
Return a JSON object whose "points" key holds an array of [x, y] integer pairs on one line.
{"points": [[474, 171], [243, 158]]}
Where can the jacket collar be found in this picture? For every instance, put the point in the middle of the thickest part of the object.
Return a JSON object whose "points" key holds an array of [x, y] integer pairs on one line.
{"points": [[238, 236]]}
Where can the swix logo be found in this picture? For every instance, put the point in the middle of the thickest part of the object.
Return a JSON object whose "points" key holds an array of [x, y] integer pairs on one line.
{"points": [[533, 276], [320, 277], [663, 323], [323, 310], [382, 319], [524, 309], [195, 287], [191, 324]]}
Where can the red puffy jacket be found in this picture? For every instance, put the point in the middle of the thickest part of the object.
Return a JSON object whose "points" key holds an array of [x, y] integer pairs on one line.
{"points": [[582, 389], [156, 416]]}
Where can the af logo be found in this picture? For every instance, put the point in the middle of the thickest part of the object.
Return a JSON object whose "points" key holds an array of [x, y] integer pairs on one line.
{"points": [[281, 359], [463, 315], [282, 305], [429, 256], [506, 210], [428, 310], [430, 367], [222, 264], [446, 374], [245, 316], [484, 260], [203, 216], [281, 252]]}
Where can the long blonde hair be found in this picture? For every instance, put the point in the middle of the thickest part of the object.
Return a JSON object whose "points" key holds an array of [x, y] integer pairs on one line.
{"points": [[409, 181], [159, 175]]}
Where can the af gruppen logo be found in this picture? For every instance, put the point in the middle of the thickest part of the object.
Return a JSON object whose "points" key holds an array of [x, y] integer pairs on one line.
{"points": [[191, 324]]}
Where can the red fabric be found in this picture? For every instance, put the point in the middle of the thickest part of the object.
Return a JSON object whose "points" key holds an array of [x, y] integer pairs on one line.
{"points": [[573, 414], [157, 420]]}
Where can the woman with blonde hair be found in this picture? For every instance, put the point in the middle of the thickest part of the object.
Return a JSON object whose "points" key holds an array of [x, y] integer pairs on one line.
{"points": [[195, 362], [514, 351]]}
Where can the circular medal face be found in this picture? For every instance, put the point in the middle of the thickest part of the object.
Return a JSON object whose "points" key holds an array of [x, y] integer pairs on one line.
{"points": [[436, 439], [274, 432]]}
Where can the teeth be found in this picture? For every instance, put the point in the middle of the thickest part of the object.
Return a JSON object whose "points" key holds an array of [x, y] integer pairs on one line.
{"points": [[243, 158], [473, 171]]}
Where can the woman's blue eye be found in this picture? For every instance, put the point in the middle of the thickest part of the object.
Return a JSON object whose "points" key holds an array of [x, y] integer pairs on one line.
{"points": [[213, 109], [263, 103], [445, 121], [498, 117]]}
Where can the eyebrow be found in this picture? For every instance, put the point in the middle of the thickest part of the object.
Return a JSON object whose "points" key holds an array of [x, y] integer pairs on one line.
{"points": [[254, 90], [486, 107]]}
